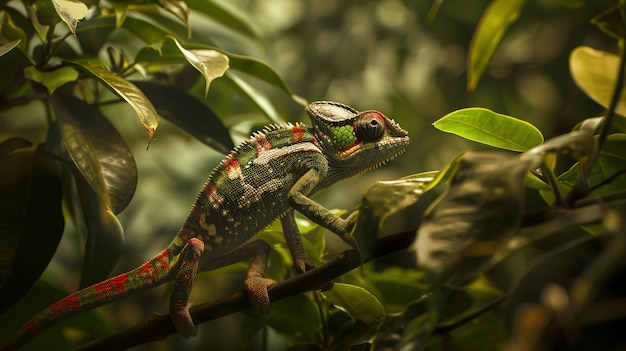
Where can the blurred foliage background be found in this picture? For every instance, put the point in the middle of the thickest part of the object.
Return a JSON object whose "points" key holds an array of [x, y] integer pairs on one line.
{"points": [[404, 58]]}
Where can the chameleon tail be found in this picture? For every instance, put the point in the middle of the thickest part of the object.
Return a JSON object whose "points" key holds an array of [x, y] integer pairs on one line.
{"points": [[152, 273]]}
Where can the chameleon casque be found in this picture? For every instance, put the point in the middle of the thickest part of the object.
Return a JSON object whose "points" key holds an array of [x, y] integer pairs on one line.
{"points": [[266, 177]]}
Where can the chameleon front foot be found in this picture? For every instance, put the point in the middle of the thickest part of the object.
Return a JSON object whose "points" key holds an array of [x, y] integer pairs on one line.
{"points": [[256, 286]]}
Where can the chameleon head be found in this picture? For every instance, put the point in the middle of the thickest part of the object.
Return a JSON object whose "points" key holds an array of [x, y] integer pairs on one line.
{"points": [[353, 141]]}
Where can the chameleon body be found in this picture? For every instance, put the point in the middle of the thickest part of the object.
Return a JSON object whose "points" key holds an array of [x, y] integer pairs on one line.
{"points": [[266, 177]]}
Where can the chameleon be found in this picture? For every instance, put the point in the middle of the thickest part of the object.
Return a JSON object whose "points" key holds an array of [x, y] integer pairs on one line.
{"points": [[267, 177]]}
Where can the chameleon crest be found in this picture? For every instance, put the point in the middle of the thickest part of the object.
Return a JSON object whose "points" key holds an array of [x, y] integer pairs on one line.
{"points": [[269, 176]]}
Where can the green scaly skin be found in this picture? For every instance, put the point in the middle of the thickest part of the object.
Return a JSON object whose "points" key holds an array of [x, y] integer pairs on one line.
{"points": [[266, 177]]}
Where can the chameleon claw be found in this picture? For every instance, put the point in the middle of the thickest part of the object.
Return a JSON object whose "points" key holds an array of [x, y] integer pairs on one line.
{"points": [[183, 322], [257, 293]]}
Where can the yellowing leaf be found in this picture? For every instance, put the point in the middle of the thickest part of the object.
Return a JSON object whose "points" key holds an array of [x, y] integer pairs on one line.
{"points": [[127, 91], [495, 21], [595, 73], [210, 63], [70, 12]]}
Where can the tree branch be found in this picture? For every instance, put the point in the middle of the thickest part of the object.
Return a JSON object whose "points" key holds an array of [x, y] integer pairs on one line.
{"points": [[159, 327]]}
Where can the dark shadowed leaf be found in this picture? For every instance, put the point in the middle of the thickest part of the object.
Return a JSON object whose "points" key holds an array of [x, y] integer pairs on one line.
{"points": [[466, 224], [224, 16], [98, 151], [127, 91], [490, 128], [31, 221], [297, 328], [104, 236], [493, 24], [9, 145], [4, 48], [188, 113]]}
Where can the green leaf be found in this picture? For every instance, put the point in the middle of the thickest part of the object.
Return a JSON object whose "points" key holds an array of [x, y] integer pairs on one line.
{"points": [[595, 73], [210, 63], [263, 71], [257, 98], [379, 202], [224, 16], [98, 151], [490, 128], [4, 48], [13, 32], [70, 12], [104, 236], [188, 113], [30, 212], [357, 302], [51, 79], [493, 24], [127, 91], [180, 10], [297, 328]]}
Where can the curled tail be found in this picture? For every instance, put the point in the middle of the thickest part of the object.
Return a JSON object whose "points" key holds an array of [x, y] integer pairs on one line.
{"points": [[152, 273]]}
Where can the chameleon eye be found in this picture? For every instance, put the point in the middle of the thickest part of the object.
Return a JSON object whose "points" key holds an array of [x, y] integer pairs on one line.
{"points": [[370, 126]]}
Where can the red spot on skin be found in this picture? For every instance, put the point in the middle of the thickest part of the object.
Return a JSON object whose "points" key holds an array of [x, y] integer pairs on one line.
{"points": [[111, 286], [30, 326], [231, 163], [298, 133], [69, 303], [262, 144]]}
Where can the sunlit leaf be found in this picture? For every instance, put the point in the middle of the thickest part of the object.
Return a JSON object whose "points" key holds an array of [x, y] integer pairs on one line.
{"points": [[4, 48], [127, 91], [490, 128], [70, 12], [210, 63], [359, 303], [595, 73], [98, 151], [496, 19], [30, 212], [51, 79], [188, 113], [180, 10]]}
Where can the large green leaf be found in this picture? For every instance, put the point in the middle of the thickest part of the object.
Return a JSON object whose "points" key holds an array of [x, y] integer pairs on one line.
{"points": [[490, 128], [188, 113], [495, 21], [31, 220], [98, 151], [595, 73], [127, 91]]}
